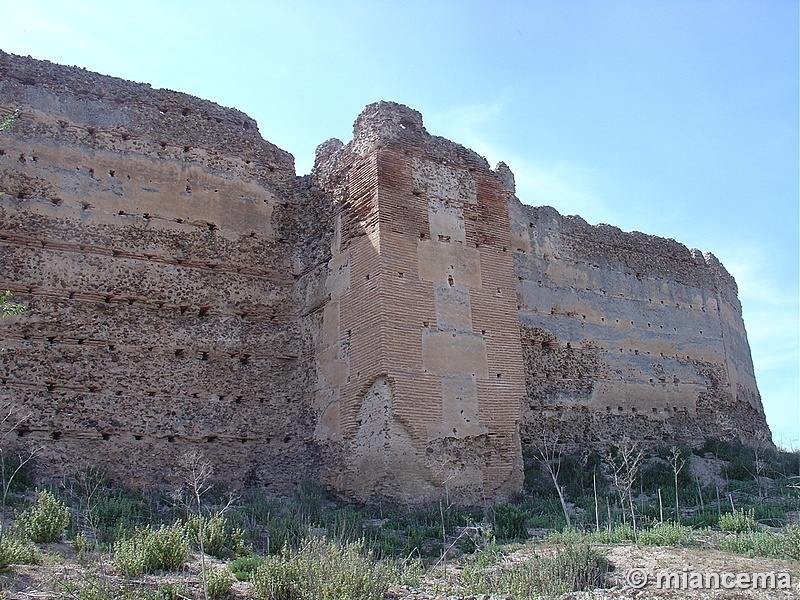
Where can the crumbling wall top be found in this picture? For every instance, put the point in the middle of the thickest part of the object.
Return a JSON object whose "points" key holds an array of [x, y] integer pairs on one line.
{"points": [[114, 105], [635, 251], [381, 122]]}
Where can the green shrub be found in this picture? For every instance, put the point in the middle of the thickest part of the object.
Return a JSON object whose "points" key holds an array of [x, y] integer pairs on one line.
{"points": [[793, 541], [219, 538], [756, 543], [244, 567], [44, 521], [548, 572], [218, 582], [509, 522], [323, 570], [113, 514], [739, 521], [150, 550], [618, 534], [17, 551], [167, 591], [665, 534]]}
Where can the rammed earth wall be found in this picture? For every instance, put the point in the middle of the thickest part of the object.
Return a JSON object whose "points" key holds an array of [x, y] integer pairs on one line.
{"points": [[395, 325]]}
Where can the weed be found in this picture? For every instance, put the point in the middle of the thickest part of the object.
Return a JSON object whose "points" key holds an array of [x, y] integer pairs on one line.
{"points": [[665, 534], [549, 572], [756, 543], [150, 550], [218, 582], [220, 539], [739, 521], [44, 521], [323, 570], [17, 551], [509, 522], [793, 541], [244, 566]]}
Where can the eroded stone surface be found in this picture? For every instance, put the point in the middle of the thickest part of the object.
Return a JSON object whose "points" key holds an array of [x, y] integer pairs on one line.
{"points": [[396, 325]]}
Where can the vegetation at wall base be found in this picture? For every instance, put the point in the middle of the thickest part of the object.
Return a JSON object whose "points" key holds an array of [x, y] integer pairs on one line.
{"points": [[123, 541], [46, 520]]}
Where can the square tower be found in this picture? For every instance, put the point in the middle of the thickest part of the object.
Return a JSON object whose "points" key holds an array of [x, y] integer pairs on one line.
{"points": [[420, 372]]}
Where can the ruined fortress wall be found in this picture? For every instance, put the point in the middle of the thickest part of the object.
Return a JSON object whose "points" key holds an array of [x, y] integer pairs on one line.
{"points": [[395, 325], [628, 335], [152, 236], [422, 325]]}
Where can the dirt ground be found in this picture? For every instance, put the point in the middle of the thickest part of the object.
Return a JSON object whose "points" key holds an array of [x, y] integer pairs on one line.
{"points": [[61, 575]]}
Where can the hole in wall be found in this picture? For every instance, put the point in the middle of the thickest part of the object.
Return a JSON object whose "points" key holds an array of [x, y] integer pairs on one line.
{"points": [[56, 435]]}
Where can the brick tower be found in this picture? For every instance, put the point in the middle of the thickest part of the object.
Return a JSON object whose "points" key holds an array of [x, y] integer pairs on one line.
{"points": [[420, 370]]}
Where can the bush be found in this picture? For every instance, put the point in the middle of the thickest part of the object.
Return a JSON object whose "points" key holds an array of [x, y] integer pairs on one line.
{"points": [[150, 550], [756, 543], [244, 567], [113, 514], [793, 541], [219, 538], [509, 522], [17, 551], [565, 569], [44, 521], [619, 533], [739, 521], [218, 582], [665, 534], [322, 570]]}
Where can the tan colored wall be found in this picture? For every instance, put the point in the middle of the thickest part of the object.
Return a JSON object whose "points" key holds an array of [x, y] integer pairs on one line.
{"points": [[629, 335], [149, 234]]}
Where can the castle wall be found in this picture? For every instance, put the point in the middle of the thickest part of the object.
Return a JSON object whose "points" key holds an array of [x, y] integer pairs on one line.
{"points": [[395, 325], [628, 335], [150, 235]]}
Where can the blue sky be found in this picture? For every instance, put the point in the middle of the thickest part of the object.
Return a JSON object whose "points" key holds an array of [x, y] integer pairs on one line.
{"points": [[678, 119]]}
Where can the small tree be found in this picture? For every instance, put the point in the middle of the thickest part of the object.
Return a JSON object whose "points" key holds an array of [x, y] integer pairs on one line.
{"points": [[551, 459], [624, 461], [677, 462], [197, 482]]}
